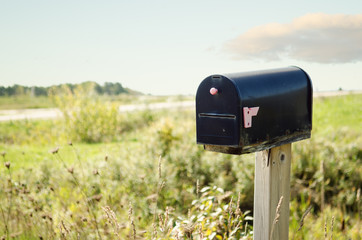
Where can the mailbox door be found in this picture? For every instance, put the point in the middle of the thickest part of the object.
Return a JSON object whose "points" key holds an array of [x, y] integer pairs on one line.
{"points": [[218, 114]]}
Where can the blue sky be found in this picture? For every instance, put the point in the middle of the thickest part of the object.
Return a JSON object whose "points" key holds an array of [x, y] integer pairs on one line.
{"points": [[169, 47]]}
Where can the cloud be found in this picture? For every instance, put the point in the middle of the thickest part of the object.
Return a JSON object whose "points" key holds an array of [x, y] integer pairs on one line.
{"points": [[317, 37]]}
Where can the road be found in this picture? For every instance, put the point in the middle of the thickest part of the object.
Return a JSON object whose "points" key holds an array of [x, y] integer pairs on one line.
{"points": [[52, 113]]}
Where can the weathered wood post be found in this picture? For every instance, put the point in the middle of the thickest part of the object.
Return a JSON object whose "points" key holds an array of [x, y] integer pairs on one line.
{"points": [[272, 187], [262, 112]]}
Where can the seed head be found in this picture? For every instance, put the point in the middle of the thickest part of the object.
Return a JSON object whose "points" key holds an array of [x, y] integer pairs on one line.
{"points": [[7, 165], [301, 223], [55, 150], [358, 194], [188, 229], [201, 233], [332, 224], [277, 211], [238, 211], [97, 197], [3, 153], [130, 211], [71, 170], [159, 167], [63, 229]]}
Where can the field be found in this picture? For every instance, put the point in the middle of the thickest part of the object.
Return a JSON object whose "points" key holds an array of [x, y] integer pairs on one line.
{"points": [[27, 101], [98, 174]]}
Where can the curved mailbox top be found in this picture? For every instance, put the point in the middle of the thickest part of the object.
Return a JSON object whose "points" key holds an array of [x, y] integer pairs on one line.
{"points": [[252, 111]]}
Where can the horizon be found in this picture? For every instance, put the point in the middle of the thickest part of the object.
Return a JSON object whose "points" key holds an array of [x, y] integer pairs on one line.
{"points": [[137, 91], [164, 48]]}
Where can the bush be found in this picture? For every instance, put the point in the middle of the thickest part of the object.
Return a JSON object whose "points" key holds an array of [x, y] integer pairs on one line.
{"points": [[215, 215], [88, 118]]}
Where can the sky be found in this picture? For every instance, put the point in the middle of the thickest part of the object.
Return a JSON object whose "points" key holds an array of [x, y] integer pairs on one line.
{"points": [[165, 47]]}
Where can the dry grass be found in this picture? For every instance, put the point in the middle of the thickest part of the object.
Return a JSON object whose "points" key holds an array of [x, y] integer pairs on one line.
{"points": [[277, 216]]}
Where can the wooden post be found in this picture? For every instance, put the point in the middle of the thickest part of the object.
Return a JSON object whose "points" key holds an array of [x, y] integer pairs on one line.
{"points": [[272, 186]]}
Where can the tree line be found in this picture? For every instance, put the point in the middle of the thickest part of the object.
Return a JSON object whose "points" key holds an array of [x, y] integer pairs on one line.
{"points": [[107, 88]]}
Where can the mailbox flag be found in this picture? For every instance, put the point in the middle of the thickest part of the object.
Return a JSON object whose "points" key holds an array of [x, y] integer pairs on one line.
{"points": [[248, 113]]}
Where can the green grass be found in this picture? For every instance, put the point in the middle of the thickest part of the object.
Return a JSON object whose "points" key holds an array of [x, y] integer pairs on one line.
{"points": [[30, 132], [333, 113], [71, 186]]}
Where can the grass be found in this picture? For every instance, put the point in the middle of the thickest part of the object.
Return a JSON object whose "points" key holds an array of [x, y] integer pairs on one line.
{"points": [[338, 112], [25, 101], [56, 187]]}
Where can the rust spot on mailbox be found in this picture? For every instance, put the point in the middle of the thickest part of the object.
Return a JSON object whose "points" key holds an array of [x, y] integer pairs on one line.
{"points": [[253, 111]]}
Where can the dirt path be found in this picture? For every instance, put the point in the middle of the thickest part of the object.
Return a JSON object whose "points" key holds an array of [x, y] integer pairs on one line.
{"points": [[52, 113], [20, 114]]}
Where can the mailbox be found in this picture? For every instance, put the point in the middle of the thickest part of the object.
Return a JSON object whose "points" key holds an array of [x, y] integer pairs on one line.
{"points": [[252, 111]]}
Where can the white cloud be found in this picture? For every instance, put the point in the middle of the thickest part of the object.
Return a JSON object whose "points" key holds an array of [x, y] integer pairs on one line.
{"points": [[317, 37]]}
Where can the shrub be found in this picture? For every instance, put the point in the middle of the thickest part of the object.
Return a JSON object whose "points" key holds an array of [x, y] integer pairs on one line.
{"points": [[88, 118], [215, 215]]}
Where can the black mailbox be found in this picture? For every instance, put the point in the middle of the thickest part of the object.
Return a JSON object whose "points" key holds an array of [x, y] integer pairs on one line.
{"points": [[252, 111]]}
